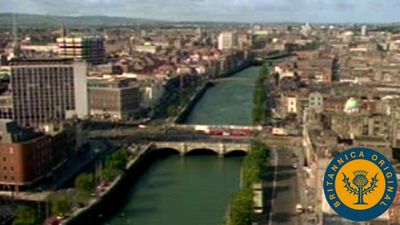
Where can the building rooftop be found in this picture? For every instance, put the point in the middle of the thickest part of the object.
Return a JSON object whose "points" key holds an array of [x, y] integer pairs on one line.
{"points": [[370, 139], [111, 83], [41, 61], [10, 132]]}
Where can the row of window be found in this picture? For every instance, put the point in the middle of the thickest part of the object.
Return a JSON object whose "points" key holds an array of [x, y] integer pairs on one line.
{"points": [[5, 178], [4, 150], [59, 71], [5, 168]]}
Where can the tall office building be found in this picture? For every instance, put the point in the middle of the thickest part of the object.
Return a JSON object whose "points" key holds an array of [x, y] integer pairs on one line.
{"points": [[199, 33], [227, 40], [89, 49], [47, 90], [364, 30]]}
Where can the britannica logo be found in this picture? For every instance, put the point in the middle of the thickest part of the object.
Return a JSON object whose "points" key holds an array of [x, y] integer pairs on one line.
{"points": [[360, 184]]}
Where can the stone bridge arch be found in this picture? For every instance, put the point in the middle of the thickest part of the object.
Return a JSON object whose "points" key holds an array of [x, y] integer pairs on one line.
{"points": [[203, 150], [235, 152], [166, 149], [220, 149]]}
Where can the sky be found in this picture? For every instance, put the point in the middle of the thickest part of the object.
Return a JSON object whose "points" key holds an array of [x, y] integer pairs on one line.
{"points": [[337, 11]]}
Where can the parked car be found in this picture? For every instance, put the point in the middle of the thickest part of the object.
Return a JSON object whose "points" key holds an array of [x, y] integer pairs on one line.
{"points": [[279, 131]]}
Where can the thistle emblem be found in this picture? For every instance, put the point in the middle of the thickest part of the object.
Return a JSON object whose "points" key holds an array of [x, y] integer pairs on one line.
{"points": [[360, 181]]}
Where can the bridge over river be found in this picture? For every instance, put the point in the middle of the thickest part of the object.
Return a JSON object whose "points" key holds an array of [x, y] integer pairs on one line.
{"points": [[237, 79], [220, 148], [185, 138], [177, 190]]}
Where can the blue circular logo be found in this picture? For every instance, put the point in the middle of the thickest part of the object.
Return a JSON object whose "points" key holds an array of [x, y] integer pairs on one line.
{"points": [[360, 184]]}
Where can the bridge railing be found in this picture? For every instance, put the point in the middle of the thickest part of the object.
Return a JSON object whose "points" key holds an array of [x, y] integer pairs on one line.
{"points": [[201, 127]]}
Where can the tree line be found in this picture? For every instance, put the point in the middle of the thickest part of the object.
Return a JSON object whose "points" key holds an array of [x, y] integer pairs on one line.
{"points": [[254, 165], [62, 203], [260, 111]]}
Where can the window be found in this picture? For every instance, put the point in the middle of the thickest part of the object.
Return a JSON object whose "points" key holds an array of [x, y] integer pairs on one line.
{"points": [[4, 159]]}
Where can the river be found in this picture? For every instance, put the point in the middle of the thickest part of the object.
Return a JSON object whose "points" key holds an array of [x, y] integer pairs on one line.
{"points": [[195, 189], [229, 102]]}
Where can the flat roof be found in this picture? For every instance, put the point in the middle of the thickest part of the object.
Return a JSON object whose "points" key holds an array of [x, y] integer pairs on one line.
{"points": [[370, 139], [40, 61]]}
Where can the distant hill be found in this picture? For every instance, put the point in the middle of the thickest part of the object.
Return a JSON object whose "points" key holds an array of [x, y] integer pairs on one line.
{"points": [[50, 20]]}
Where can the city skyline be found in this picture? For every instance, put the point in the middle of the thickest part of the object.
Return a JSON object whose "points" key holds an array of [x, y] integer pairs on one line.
{"points": [[122, 111], [314, 11]]}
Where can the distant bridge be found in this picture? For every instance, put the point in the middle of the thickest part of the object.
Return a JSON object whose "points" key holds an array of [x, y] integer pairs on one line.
{"points": [[201, 127], [220, 148], [276, 56], [241, 79]]}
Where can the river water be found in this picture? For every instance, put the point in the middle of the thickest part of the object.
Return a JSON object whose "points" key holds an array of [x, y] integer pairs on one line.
{"points": [[229, 102], [194, 190]]}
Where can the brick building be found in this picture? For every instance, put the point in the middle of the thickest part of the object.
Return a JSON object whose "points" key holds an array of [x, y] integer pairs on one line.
{"points": [[25, 156]]}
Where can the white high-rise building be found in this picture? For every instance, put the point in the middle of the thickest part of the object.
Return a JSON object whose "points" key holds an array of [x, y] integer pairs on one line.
{"points": [[227, 40], [47, 90], [364, 30], [199, 33]]}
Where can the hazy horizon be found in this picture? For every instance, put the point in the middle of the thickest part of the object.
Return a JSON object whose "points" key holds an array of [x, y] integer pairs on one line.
{"points": [[247, 11]]}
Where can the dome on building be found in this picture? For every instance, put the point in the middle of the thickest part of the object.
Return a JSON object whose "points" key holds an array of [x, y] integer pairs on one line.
{"points": [[351, 105], [348, 33]]}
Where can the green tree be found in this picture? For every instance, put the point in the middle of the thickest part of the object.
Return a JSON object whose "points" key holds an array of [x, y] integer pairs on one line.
{"points": [[85, 185], [61, 204], [26, 216], [115, 165], [241, 208], [254, 164], [108, 175], [264, 70], [118, 161], [260, 112]]}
